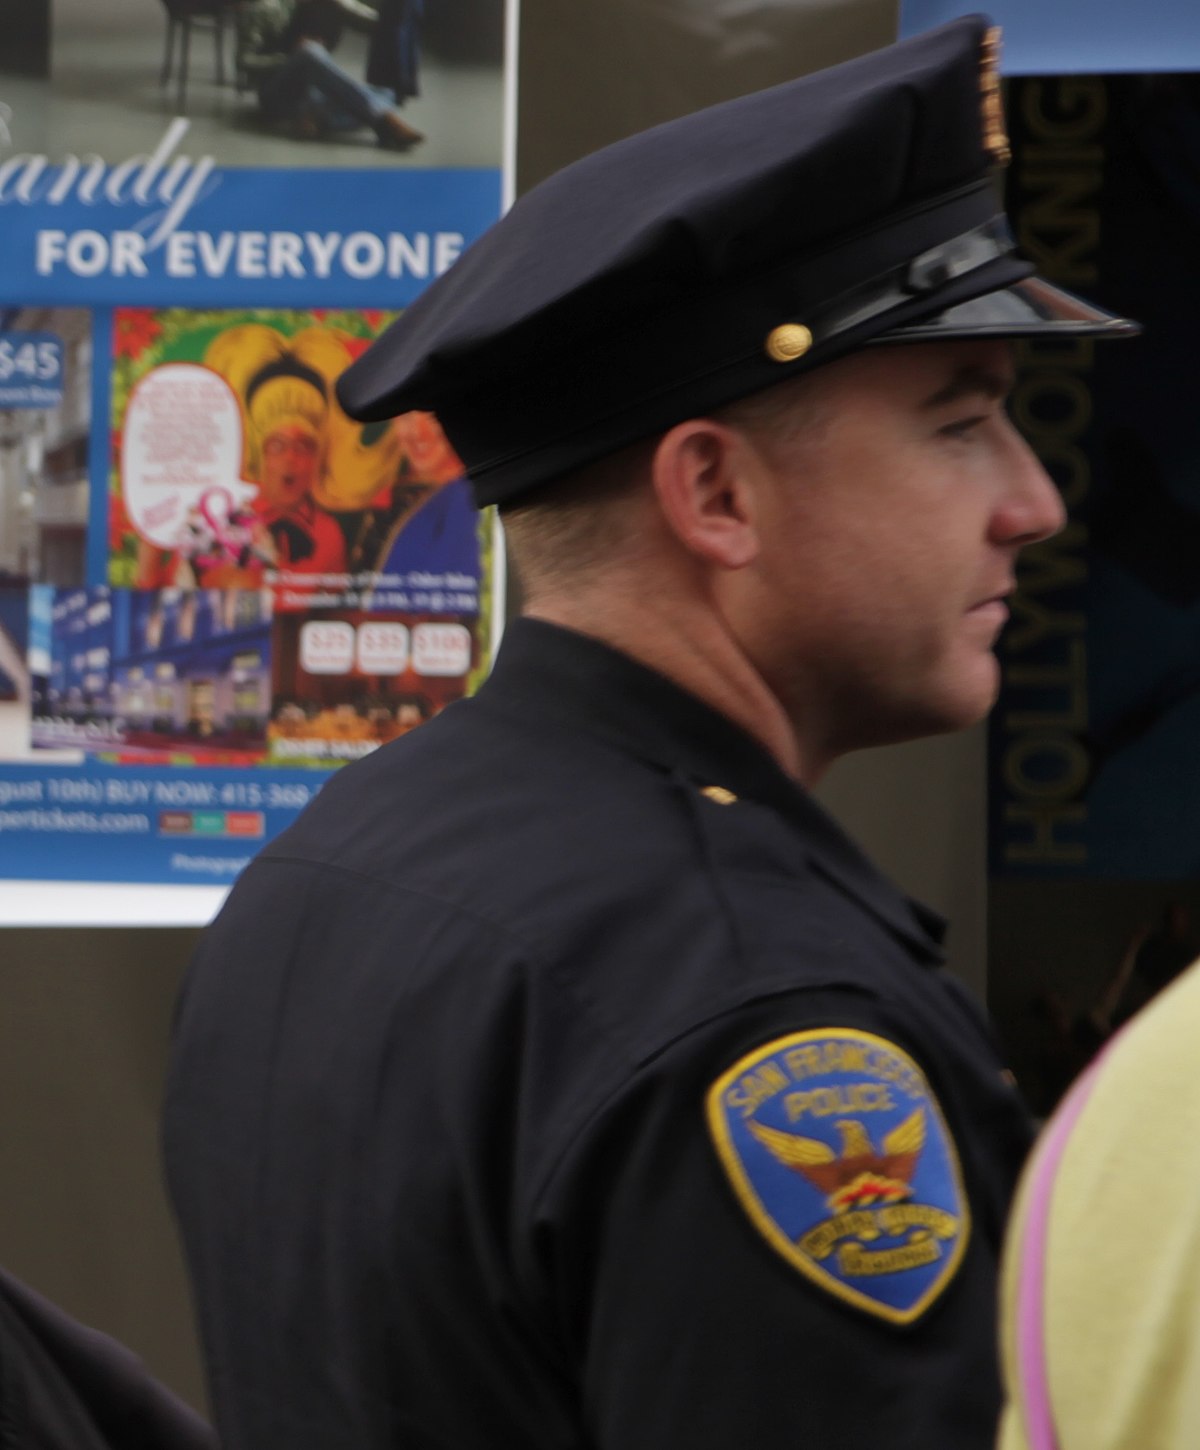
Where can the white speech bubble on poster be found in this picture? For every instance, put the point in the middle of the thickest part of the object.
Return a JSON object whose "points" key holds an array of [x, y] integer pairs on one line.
{"points": [[326, 647], [382, 648], [181, 452], [441, 649]]}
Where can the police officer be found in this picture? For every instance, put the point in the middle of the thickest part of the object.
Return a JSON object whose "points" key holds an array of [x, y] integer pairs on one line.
{"points": [[565, 1077]]}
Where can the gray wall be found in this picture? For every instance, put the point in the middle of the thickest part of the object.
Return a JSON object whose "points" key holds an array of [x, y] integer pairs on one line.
{"points": [[86, 1014], [592, 73], [84, 1019], [921, 812]]}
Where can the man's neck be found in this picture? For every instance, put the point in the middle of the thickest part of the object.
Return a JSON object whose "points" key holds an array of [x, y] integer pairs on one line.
{"points": [[693, 650]]}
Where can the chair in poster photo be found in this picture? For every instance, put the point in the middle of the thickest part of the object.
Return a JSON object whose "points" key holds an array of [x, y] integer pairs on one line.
{"points": [[182, 15]]}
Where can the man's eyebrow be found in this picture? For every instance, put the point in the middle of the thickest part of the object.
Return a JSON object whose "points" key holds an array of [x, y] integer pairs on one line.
{"points": [[971, 381]]}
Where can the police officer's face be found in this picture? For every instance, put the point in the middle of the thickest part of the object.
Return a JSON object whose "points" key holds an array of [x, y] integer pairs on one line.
{"points": [[892, 522]]}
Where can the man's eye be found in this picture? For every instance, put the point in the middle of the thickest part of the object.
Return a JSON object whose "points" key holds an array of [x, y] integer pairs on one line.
{"points": [[961, 427]]}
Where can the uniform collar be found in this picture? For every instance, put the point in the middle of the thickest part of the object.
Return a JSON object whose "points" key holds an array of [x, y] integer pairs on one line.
{"points": [[549, 674]]}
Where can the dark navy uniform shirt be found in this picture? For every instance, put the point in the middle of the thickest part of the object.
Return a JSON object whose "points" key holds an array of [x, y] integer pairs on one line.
{"points": [[436, 1124], [64, 1386]]}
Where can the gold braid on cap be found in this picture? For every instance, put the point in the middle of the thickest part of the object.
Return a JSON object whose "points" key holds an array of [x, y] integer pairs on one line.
{"points": [[995, 138]]}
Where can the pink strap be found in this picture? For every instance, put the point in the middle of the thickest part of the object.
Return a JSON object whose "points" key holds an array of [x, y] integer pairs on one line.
{"points": [[1031, 1281]]}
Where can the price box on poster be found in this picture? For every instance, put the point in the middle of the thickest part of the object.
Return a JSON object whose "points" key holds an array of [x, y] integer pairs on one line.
{"points": [[31, 370]]}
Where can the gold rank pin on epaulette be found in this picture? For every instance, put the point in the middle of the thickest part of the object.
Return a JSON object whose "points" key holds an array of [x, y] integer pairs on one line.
{"points": [[719, 794], [995, 137]]}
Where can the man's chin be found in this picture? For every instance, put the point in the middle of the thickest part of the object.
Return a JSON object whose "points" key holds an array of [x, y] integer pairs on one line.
{"points": [[962, 703], [975, 695]]}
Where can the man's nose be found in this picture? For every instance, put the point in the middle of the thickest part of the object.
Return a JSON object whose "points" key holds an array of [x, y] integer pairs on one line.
{"points": [[1032, 507]]}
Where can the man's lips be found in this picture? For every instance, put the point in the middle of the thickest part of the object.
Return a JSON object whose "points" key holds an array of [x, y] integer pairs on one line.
{"points": [[995, 611], [994, 608]]}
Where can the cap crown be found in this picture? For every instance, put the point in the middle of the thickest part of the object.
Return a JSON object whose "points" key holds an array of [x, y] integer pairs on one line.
{"points": [[639, 285]]}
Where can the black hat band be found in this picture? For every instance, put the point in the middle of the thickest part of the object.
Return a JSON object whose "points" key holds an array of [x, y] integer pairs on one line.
{"points": [[929, 273]]}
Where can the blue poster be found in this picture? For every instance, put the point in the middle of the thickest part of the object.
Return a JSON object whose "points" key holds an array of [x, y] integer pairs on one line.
{"points": [[215, 588], [1078, 37]]}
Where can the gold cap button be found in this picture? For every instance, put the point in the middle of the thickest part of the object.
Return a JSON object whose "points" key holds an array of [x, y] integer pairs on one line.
{"points": [[788, 341], [719, 794]]}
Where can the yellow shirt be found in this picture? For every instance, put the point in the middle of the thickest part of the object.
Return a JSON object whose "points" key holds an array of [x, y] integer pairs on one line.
{"points": [[1122, 1292]]}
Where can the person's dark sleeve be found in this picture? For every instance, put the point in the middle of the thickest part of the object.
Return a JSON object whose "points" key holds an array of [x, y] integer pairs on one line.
{"points": [[693, 1331]]}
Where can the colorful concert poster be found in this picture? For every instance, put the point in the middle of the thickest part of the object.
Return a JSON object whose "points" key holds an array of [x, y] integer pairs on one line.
{"points": [[215, 588]]}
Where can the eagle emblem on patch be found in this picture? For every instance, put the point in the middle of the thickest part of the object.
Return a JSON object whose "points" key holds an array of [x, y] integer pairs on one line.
{"points": [[838, 1152]]}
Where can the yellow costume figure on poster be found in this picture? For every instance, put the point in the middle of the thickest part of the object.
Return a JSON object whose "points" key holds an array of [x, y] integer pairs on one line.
{"points": [[309, 461], [307, 457]]}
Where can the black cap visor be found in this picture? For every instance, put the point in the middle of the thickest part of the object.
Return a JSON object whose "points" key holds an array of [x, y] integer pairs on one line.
{"points": [[1027, 308]]}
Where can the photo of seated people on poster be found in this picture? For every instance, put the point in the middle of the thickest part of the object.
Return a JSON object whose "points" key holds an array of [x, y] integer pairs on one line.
{"points": [[234, 467], [264, 83]]}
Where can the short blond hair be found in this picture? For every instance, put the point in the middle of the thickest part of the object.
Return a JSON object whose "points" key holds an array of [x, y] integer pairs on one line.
{"points": [[568, 530]]}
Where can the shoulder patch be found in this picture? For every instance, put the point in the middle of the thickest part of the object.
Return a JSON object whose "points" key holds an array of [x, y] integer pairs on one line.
{"points": [[838, 1152]]}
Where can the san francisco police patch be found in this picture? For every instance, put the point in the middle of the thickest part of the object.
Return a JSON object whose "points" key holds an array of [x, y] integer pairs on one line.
{"points": [[838, 1152]]}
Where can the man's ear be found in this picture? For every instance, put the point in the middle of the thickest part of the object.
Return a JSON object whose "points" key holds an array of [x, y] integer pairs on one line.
{"points": [[704, 477]]}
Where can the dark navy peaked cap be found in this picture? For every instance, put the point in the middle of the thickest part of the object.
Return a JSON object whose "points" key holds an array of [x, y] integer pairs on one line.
{"points": [[717, 255]]}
